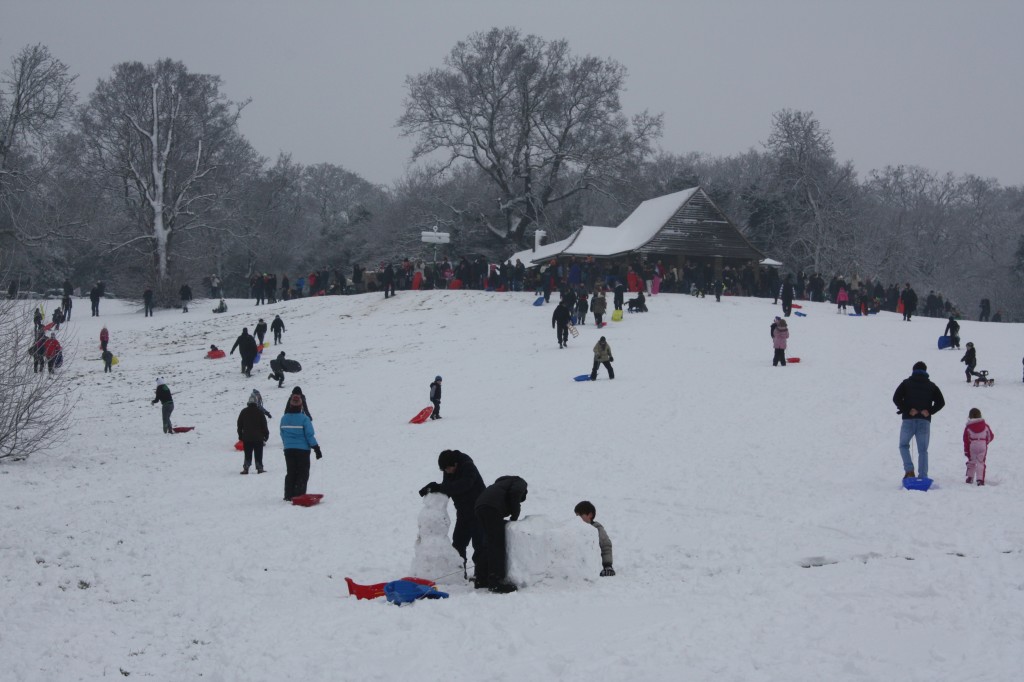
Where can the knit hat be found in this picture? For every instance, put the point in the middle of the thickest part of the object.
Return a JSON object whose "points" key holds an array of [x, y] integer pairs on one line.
{"points": [[437, 378], [159, 381], [252, 400], [295, 400], [920, 366]]}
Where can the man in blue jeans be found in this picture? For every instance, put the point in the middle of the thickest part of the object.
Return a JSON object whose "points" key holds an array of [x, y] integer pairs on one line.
{"points": [[917, 399]]}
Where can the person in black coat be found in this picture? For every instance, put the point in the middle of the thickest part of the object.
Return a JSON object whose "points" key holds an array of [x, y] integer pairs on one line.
{"points": [[94, 299], [260, 330], [787, 296], [502, 498], [277, 369], [277, 326], [917, 399], [435, 398], [246, 346], [147, 301], [387, 279], [463, 484], [620, 295], [185, 293], [970, 359], [953, 332], [253, 432], [560, 323], [909, 298]]}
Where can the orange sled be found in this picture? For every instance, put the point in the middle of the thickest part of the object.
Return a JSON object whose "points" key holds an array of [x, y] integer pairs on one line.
{"points": [[377, 589]]}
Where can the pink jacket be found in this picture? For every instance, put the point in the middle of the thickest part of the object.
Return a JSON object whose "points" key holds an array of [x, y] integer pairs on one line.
{"points": [[779, 337], [977, 436], [842, 296]]}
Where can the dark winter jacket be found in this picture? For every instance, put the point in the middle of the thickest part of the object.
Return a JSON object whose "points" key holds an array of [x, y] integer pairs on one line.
{"points": [[185, 292], [163, 394], [917, 392], [260, 329], [464, 486], [787, 292], [245, 344], [435, 393], [277, 324], [560, 316], [506, 495], [599, 305], [252, 425], [970, 358], [952, 328]]}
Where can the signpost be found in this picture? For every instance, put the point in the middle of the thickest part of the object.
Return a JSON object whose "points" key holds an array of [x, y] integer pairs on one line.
{"points": [[434, 237]]}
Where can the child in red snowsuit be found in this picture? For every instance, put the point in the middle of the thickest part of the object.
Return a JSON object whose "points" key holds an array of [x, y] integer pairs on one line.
{"points": [[977, 436]]}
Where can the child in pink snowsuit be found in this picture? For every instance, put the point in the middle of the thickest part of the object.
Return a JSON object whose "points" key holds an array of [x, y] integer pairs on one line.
{"points": [[977, 436], [842, 298]]}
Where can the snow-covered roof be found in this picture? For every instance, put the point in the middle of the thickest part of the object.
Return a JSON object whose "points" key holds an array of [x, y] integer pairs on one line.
{"points": [[636, 230]]}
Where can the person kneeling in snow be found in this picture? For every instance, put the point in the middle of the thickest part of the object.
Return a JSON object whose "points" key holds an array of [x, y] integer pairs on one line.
{"points": [[502, 498], [586, 511], [463, 484]]}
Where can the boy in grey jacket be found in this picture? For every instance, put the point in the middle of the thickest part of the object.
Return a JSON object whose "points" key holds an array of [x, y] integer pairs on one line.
{"points": [[586, 511]]}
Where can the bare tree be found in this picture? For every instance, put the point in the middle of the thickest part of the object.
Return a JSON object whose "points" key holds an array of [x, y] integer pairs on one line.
{"points": [[35, 408], [541, 123], [161, 138], [36, 100]]}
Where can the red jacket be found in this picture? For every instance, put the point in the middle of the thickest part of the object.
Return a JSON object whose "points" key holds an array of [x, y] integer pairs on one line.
{"points": [[51, 348], [977, 436], [104, 335]]}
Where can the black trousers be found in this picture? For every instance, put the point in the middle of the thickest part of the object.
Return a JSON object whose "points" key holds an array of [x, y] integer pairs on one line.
{"points": [[297, 476], [254, 448], [597, 318], [563, 333], [149, 310], [247, 366], [607, 366], [787, 307], [468, 529], [495, 557], [780, 356], [277, 336], [437, 409], [95, 308]]}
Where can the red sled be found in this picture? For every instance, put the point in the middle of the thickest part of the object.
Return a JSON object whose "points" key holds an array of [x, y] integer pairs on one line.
{"points": [[48, 326], [182, 429], [307, 500], [796, 305], [239, 446], [422, 415], [215, 354], [792, 359], [377, 589]]}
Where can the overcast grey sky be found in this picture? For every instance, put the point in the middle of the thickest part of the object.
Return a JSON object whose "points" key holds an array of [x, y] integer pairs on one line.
{"points": [[928, 82]]}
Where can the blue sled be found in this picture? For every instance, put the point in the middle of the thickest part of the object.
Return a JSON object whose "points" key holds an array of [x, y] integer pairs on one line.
{"points": [[799, 314], [945, 342], [400, 592], [917, 483], [539, 301], [582, 377]]}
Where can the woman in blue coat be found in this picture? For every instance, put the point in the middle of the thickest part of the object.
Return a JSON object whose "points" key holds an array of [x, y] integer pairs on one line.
{"points": [[298, 438]]}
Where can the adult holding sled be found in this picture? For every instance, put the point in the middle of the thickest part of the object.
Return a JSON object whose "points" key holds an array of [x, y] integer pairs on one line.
{"points": [[246, 346], [953, 332], [277, 326], [463, 484], [917, 399], [253, 432], [502, 498], [277, 370], [560, 323], [163, 394], [602, 356], [298, 439]]}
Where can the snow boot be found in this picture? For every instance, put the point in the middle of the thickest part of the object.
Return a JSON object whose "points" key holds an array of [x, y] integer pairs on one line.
{"points": [[503, 588], [909, 474]]}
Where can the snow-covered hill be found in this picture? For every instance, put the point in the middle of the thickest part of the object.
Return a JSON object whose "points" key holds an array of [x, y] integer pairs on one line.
{"points": [[759, 525]]}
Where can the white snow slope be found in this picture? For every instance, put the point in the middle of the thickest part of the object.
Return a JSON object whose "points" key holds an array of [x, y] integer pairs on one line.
{"points": [[759, 525]]}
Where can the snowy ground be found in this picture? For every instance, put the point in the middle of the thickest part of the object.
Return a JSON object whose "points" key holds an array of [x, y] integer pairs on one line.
{"points": [[759, 525]]}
